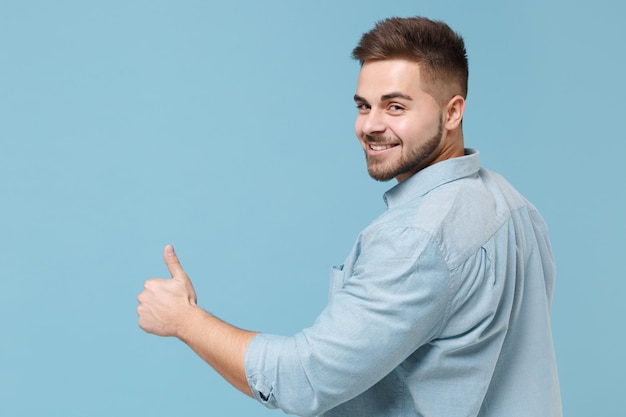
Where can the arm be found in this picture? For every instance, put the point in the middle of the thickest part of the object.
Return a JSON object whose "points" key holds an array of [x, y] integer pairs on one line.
{"points": [[167, 307], [390, 298]]}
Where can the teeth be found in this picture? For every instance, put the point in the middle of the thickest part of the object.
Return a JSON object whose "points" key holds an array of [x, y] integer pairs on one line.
{"points": [[380, 147]]}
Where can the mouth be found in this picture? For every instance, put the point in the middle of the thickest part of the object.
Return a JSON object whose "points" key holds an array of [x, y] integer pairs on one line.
{"points": [[380, 147]]}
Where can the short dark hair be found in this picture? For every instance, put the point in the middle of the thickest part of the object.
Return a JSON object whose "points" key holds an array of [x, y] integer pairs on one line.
{"points": [[432, 44]]}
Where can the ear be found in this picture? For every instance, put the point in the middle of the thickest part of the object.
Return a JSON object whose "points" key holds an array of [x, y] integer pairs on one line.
{"points": [[454, 113]]}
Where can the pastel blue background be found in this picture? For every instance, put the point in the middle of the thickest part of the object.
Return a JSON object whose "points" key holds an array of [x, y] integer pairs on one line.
{"points": [[226, 129]]}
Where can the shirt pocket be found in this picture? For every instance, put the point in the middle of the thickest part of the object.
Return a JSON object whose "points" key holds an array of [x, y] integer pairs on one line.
{"points": [[336, 280]]}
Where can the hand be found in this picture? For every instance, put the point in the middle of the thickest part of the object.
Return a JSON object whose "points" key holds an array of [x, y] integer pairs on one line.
{"points": [[164, 304]]}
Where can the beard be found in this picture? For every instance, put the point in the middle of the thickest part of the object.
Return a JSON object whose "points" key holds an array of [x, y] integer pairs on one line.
{"points": [[411, 162]]}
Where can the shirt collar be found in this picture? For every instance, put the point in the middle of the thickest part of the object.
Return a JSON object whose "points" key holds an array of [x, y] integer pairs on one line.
{"points": [[432, 177]]}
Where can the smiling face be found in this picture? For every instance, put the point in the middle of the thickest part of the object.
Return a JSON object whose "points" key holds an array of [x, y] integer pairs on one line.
{"points": [[402, 128]]}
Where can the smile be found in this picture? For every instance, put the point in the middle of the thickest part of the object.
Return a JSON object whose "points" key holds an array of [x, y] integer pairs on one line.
{"points": [[379, 147]]}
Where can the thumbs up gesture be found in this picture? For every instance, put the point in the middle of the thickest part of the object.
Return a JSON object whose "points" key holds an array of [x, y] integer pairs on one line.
{"points": [[165, 303]]}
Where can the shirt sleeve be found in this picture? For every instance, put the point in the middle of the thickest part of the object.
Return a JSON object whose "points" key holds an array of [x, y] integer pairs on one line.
{"points": [[391, 299]]}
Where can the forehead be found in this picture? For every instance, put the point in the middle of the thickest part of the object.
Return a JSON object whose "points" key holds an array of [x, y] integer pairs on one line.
{"points": [[378, 78]]}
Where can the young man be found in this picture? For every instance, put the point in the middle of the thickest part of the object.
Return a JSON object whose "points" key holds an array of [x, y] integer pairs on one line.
{"points": [[443, 306]]}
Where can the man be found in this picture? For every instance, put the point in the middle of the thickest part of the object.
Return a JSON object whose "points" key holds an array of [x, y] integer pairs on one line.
{"points": [[443, 306]]}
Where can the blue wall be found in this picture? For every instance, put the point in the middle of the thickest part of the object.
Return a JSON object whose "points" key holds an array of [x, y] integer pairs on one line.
{"points": [[227, 130]]}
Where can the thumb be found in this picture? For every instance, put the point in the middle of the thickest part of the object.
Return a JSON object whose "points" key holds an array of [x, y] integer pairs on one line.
{"points": [[173, 264]]}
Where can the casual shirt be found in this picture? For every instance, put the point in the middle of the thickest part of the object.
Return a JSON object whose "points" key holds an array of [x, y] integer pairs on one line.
{"points": [[442, 308]]}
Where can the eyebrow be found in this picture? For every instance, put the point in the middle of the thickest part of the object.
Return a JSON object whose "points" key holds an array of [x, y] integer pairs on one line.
{"points": [[395, 94], [385, 97]]}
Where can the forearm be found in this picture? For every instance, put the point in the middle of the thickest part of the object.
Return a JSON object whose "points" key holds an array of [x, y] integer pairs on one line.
{"points": [[221, 345]]}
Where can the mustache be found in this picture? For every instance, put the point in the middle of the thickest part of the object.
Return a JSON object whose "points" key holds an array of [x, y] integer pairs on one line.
{"points": [[380, 140]]}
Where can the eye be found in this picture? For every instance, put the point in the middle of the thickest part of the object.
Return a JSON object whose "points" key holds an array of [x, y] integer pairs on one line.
{"points": [[362, 107], [395, 108]]}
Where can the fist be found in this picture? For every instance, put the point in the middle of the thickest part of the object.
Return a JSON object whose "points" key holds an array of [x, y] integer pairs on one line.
{"points": [[164, 304]]}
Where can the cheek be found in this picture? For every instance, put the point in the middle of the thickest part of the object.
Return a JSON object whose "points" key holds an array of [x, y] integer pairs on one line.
{"points": [[402, 129], [416, 129]]}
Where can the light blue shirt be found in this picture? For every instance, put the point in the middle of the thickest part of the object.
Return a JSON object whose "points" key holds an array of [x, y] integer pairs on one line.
{"points": [[442, 309]]}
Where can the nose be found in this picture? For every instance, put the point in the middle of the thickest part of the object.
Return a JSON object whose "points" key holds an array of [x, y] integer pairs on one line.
{"points": [[371, 123]]}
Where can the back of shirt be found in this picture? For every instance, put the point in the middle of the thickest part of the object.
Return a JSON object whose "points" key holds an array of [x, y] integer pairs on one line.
{"points": [[442, 308], [525, 379], [493, 355]]}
